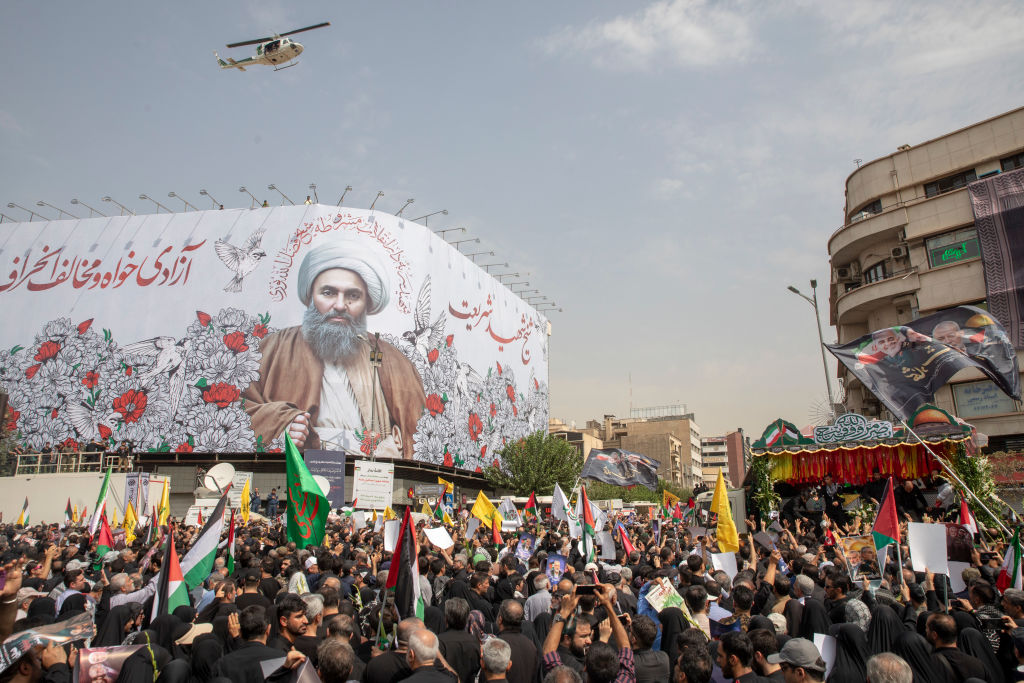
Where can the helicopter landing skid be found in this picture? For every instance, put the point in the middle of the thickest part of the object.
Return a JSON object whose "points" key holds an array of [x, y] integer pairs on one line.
{"points": [[286, 66]]}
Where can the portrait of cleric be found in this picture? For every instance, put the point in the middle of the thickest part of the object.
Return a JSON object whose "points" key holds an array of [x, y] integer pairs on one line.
{"points": [[316, 379]]}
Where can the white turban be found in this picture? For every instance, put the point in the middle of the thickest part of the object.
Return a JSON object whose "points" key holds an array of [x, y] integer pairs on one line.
{"points": [[350, 256]]}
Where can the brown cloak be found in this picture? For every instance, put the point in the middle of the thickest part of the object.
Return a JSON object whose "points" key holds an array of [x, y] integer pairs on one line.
{"points": [[291, 378]]}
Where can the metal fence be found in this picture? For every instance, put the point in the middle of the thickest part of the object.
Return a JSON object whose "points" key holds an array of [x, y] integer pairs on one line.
{"points": [[63, 463]]}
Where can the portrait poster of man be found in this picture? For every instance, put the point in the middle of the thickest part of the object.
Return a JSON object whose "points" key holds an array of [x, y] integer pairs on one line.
{"points": [[906, 364], [621, 468], [555, 568], [524, 550], [102, 664]]}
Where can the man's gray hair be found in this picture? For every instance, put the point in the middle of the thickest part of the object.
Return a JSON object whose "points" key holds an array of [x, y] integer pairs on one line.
{"points": [[562, 674], [496, 655], [626, 574], [888, 668], [117, 582], [541, 582], [461, 557], [1014, 596], [314, 605], [423, 644], [805, 584]]}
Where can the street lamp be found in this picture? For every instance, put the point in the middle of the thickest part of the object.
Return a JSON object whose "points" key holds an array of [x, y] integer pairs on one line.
{"points": [[518, 282], [60, 211], [379, 195], [273, 187], [316, 199], [158, 204], [471, 240], [207, 194], [545, 308], [91, 210], [31, 214], [118, 204], [479, 253], [485, 266], [525, 291], [498, 276], [426, 217], [2, 217], [442, 232], [178, 196], [407, 203], [348, 188], [255, 202], [813, 301]]}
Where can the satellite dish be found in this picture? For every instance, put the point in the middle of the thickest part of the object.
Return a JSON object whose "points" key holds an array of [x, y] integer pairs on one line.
{"points": [[219, 477], [323, 483]]}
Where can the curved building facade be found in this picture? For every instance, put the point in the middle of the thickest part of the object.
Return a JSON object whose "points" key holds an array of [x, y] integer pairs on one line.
{"points": [[908, 248]]}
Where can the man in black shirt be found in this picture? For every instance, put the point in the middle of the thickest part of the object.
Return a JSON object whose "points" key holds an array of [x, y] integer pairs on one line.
{"points": [[652, 666], [422, 656], [243, 665], [735, 656], [524, 651], [766, 644], [457, 645], [251, 592], [941, 633]]}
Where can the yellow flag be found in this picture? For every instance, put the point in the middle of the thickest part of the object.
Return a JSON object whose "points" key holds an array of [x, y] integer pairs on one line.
{"points": [[163, 511], [449, 487], [668, 500], [374, 520], [425, 510], [728, 539], [483, 509], [244, 503], [113, 520], [130, 522], [389, 514], [447, 520], [74, 514]]}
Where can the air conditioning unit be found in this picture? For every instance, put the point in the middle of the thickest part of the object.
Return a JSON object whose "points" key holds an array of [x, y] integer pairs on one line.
{"points": [[900, 251], [843, 273], [855, 268]]}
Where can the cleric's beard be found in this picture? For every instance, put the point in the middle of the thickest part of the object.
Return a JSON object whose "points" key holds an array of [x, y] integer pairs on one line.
{"points": [[333, 342]]}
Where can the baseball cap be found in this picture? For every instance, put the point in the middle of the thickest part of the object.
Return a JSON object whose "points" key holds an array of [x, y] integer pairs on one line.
{"points": [[799, 652], [74, 564], [26, 593]]}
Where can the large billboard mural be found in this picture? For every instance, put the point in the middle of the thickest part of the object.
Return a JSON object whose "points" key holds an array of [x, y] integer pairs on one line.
{"points": [[217, 331]]}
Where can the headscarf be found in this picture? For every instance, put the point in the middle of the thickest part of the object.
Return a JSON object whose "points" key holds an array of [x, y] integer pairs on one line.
{"points": [[350, 255], [45, 608], [206, 650], [815, 619], [884, 628], [111, 631], [175, 671], [917, 652], [971, 641], [72, 607], [144, 664], [673, 622], [433, 618], [475, 624], [858, 613], [794, 614], [851, 655], [168, 629], [759, 621], [186, 613]]}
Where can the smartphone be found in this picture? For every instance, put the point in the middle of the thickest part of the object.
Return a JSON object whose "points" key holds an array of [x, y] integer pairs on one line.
{"points": [[623, 619], [586, 590]]}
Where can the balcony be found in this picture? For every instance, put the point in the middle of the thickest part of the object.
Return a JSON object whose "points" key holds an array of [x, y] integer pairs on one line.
{"points": [[857, 304]]}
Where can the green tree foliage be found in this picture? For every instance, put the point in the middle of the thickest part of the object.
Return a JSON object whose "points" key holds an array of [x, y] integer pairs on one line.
{"points": [[600, 491], [763, 490], [976, 472], [536, 463]]}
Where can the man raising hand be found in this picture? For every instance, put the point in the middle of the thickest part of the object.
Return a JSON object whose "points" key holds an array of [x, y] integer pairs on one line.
{"points": [[602, 663]]}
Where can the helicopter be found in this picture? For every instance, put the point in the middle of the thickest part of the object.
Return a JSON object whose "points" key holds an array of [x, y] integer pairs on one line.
{"points": [[273, 51]]}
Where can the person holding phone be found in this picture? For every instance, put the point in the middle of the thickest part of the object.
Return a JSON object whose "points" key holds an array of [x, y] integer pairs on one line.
{"points": [[603, 663]]}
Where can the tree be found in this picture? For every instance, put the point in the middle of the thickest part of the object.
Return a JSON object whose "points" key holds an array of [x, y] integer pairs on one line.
{"points": [[600, 491], [535, 464]]}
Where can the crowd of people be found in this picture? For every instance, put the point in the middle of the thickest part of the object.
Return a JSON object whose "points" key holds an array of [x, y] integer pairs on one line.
{"points": [[795, 610]]}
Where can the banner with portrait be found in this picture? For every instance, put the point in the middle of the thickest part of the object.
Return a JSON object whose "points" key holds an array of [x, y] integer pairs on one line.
{"points": [[619, 467], [904, 365], [215, 331]]}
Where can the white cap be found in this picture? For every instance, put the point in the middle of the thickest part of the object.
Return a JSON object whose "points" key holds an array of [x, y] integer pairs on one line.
{"points": [[310, 561]]}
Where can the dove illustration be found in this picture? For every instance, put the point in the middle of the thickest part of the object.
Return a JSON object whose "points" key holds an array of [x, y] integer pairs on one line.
{"points": [[425, 336], [241, 260], [168, 357]]}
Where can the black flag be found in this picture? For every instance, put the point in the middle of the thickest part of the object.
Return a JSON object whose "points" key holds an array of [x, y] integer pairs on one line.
{"points": [[621, 468]]}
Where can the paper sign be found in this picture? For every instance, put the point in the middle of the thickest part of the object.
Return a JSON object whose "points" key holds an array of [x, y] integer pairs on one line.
{"points": [[827, 648], [725, 562], [717, 613], [440, 537], [928, 547], [471, 527], [391, 535], [956, 575], [359, 519], [607, 545], [662, 594]]}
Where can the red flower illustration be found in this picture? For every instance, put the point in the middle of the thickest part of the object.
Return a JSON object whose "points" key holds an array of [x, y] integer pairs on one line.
{"points": [[499, 367], [483, 450], [53, 413], [236, 342], [31, 372], [511, 393], [184, 447], [83, 327], [131, 404], [475, 426], [435, 405], [432, 355], [494, 410], [221, 393], [105, 432], [448, 459], [204, 318], [128, 370], [536, 384], [478, 470], [259, 330], [13, 415], [91, 379], [449, 339], [496, 463], [47, 350], [70, 443], [515, 411]]}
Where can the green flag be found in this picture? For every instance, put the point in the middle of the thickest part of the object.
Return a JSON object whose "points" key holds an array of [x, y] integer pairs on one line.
{"points": [[307, 506], [95, 522]]}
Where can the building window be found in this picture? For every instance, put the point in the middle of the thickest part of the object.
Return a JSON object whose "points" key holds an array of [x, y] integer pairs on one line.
{"points": [[953, 247], [869, 209], [949, 183], [1012, 162], [876, 273]]}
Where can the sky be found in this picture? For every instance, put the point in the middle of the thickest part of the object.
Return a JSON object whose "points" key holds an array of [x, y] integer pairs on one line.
{"points": [[661, 170]]}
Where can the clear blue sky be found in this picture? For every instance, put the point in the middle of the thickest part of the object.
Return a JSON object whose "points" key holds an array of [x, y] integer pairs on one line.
{"points": [[663, 170]]}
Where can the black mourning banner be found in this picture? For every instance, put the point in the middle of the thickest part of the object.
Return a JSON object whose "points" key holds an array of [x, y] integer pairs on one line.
{"points": [[904, 365], [621, 468], [329, 464]]}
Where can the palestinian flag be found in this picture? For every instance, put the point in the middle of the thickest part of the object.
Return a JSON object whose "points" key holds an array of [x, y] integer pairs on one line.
{"points": [[1009, 575], [231, 545], [589, 529], [496, 529], [531, 507], [691, 507], [967, 519], [307, 506], [104, 542], [100, 502], [171, 591], [677, 511], [627, 545], [886, 529], [69, 515], [197, 563], [403, 576], [23, 517], [199, 518]]}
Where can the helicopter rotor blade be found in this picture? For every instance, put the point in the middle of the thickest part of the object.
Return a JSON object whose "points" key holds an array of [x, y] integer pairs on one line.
{"points": [[250, 42], [308, 28]]}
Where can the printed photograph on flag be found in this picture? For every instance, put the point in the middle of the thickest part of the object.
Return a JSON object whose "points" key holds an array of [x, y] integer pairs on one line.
{"points": [[524, 549], [555, 568], [959, 543]]}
